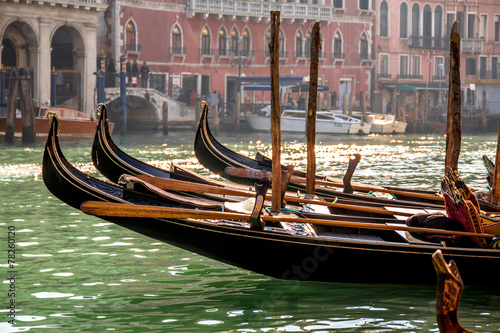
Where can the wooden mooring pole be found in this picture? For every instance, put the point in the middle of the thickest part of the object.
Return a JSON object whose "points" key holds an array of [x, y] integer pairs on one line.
{"points": [[454, 116], [275, 111], [311, 111]]}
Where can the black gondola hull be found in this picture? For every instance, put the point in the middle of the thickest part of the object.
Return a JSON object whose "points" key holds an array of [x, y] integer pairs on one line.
{"points": [[327, 258]]}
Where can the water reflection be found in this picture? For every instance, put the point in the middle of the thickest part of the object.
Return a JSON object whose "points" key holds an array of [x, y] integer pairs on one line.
{"points": [[83, 274]]}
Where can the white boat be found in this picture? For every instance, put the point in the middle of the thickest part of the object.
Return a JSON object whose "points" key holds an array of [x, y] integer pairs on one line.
{"points": [[295, 121], [385, 124]]}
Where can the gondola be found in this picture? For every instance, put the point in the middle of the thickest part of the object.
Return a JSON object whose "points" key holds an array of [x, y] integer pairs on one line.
{"points": [[216, 157], [112, 162], [329, 254]]}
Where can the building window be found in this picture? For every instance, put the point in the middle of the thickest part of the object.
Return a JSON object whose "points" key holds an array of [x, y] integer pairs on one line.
{"points": [[337, 46], [205, 41], [482, 67], [307, 46], [438, 26], [384, 19], [415, 20], [439, 67], [415, 67], [403, 20], [497, 28], [470, 66], [364, 5], [471, 26], [384, 65], [403, 66], [427, 26], [483, 28], [494, 68], [247, 43], [234, 42], [176, 40], [298, 44], [338, 3], [131, 35], [281, 41], [363, 46], [221, 43]]}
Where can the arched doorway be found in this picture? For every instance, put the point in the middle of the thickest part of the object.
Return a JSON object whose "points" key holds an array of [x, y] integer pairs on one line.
{"points": [[8, 53], [68, 61]]}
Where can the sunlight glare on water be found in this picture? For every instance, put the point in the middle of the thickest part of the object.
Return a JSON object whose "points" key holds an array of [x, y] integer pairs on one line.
{"points": [[79, 273]]}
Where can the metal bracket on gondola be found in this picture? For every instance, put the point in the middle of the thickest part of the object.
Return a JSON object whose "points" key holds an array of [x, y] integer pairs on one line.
{"points": [[260, 195]]}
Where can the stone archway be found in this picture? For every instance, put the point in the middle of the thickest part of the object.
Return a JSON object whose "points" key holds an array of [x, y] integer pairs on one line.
{"points": [[141, 114], [67, 58], [19, 49]]}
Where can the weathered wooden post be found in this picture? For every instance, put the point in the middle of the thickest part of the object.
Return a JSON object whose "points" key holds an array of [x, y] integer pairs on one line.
{"points": [[394, 101], [237, 114], [2, 90], [165, 117], [123, 93], [415, 112], [329, 102], [485, 112], [351, 103], [311, 111], [344, 104], [10, 125], [27, 110], [335, 100], [362, 101], [275, 110], [454, 117]]}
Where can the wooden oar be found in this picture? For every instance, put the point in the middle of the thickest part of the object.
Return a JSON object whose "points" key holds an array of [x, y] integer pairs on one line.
{"points": [[179, 185], [254, 174], [108, 209]]}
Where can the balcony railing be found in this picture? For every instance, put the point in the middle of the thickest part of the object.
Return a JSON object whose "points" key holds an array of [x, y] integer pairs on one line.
{"points": [[471, 45], [177, 50], [438, 78], [488, 75], [133, 47], [384, 76], [258, 9], [410, 77], [283, 54], [338, 56], [431, 43], [206, 51]]}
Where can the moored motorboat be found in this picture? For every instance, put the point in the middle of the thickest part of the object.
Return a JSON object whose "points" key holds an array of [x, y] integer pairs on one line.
{"points": [[216, 157], [330, 253], [385, 124], [73, 122], [294, 121]]}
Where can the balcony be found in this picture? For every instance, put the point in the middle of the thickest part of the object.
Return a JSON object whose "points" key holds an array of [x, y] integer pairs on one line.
{"points": [[439, 78], [133, 48], [428, 43], [416, 77], [177, 52], [471, 45], [384, 76], [487, 75], [258, 10]]}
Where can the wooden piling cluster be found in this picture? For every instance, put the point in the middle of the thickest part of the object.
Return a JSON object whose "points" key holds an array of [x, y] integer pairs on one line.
{"points": [[20, 86]]}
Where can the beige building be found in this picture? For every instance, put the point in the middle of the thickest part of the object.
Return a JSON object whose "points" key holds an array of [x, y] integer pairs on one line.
{"points": [[58, 34]]}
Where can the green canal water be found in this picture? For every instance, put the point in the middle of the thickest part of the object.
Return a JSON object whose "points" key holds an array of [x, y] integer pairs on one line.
{"points": [[78, 273]]}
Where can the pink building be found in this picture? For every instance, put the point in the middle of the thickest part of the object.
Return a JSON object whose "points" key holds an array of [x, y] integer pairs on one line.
{"points": [[203, 46], [411, 46]]}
